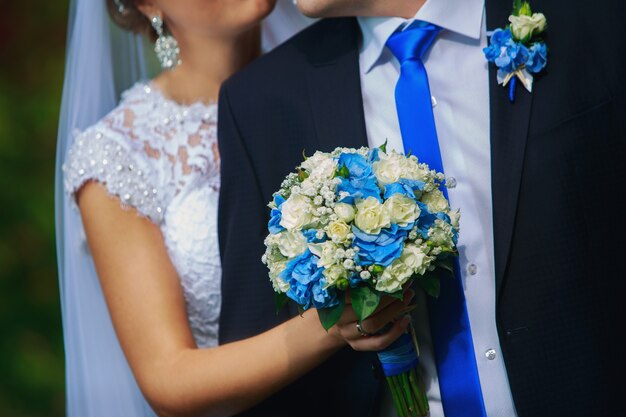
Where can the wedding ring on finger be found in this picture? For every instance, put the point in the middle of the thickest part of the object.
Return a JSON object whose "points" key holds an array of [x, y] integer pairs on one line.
{"points": [[361, 331]]}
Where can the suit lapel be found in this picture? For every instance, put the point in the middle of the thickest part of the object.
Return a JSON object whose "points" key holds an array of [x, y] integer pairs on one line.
{"points": [[509, 131], [335, 88]]}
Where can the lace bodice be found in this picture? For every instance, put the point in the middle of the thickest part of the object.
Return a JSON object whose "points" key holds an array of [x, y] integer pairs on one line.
{"points": [[161, 158]]}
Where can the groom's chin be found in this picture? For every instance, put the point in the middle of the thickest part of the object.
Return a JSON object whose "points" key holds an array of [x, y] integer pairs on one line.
{"points": [[328, 8]]}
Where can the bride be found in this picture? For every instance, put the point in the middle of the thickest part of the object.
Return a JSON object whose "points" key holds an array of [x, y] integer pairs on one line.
{"points": [[136, 220]]}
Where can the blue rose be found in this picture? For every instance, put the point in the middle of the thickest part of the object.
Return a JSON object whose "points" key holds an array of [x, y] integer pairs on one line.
{"points": [[373, 155], [306, 282], [404, 187], [499, 38], [359, 188], [381, 249], [355, 280], [323, 297], [276, 215], [507, 54], [425, 220], [361, 181], [356, 164], [515, 55], [538, 57], [311, 236]]}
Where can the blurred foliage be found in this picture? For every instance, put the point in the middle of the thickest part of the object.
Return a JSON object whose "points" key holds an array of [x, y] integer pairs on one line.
{"points": [[32, 46]]}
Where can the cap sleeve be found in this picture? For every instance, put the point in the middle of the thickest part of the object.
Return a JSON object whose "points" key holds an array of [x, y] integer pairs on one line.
{"points": [[104, 155]]}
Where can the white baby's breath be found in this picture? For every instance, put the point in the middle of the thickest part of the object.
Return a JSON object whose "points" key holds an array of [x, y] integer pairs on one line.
{"points": [[440, 234]]}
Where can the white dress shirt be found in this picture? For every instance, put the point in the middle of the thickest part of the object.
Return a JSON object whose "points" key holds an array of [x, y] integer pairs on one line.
{"points": [[458, 78]]}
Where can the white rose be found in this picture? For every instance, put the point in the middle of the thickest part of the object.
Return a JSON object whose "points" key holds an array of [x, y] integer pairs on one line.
{"points": [[333, 274], [325, 169], [312, 161], [338, 231], [327, 252], [388, 169], [524, 27], [345, 212], [296, 212], [415, 259], [371, 216], [291, 244], [413, 171], [402, 209], [435, 201], [393, 277], [277, 282]]}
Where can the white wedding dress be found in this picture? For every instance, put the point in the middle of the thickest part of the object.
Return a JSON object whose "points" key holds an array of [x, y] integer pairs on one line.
{"points": [[160, 158]]}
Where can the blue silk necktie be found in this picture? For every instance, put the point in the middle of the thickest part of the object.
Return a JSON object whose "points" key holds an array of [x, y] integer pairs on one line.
{"points": [[459, 384]]}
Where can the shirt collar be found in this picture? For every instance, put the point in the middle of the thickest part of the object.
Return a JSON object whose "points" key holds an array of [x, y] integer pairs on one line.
{"points": [[460, 16]]}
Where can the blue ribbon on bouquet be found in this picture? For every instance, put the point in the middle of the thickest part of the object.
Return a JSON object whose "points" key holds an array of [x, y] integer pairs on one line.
{"points": [[399, 357]]}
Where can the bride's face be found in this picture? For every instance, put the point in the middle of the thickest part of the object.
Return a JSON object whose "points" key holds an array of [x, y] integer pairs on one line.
{"points": [[213, 17]]}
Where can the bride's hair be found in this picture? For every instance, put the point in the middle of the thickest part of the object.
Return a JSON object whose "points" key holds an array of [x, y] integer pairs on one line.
{"points": [[130, 18]]}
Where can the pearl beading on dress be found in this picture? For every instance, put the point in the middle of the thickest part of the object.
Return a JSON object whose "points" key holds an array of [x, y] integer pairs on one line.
{"points": [[96, 157]]}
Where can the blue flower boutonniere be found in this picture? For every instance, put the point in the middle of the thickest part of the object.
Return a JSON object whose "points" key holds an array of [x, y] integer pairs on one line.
{"points": [[518, 50]]}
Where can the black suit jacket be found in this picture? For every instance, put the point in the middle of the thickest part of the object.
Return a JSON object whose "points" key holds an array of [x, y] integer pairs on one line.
{"points": [[558, 167]]}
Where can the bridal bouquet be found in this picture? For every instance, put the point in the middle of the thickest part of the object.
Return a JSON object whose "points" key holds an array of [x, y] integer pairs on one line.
{"points": [[362, 221]]}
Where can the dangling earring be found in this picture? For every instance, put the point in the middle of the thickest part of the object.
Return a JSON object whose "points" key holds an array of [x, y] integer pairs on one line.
{"points": [[166, 46]]}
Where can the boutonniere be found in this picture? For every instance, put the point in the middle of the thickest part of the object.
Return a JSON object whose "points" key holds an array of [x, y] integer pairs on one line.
{"points": [[518, 50]]}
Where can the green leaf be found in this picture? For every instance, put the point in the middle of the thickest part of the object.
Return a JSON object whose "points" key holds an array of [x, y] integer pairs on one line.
{"points": [[343, 172], [302, 175], [398, 294], [447, 265], [364, 301], [280, 300], [304, 157], [377, 269], [430, 283], [330, 316], [342, 284], [521, 8], [525, 10], [383, 147]]}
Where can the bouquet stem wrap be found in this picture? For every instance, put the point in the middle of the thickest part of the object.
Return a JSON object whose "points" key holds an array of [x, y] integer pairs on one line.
{"points": [[400, 366]]}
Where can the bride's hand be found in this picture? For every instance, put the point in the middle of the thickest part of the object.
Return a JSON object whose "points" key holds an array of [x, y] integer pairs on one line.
{"points": [[391, 311]]}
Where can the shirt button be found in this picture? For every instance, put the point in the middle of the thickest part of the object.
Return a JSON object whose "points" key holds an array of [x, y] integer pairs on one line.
{"points": [[433, 101], [490, 354], [472, 269], [450, 182]]}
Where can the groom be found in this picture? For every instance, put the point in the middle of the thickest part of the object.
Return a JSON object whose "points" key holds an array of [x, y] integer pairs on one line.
{"points": [[535, 180]]}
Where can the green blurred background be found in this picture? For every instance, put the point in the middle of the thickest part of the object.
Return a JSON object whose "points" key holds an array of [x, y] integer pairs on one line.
{"points": [[32, 48]]}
